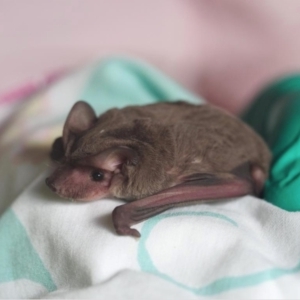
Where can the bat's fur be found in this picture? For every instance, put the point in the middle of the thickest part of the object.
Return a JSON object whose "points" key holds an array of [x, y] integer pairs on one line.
{"points": [[145, 149], [169, 141]]}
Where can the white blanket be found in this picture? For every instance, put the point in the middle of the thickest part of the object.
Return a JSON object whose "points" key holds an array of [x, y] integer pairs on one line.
{"points": [[51, 248]]}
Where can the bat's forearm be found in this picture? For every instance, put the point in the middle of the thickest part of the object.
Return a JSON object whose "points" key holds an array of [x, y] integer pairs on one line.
{"points": [[192, 192]]}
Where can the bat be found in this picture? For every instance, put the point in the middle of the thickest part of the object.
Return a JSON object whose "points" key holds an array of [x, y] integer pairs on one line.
{"points": [[156, 157]]}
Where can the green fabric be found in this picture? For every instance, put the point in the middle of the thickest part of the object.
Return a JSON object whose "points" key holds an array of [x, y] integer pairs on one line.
{"points": [[275, 114]]}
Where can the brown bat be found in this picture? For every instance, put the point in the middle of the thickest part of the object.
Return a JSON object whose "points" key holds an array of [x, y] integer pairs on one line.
{"points": [[156, 157]]}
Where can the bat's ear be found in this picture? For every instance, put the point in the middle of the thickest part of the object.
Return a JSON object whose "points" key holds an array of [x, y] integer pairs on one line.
{"points": [[80, 118], [57, 151]]}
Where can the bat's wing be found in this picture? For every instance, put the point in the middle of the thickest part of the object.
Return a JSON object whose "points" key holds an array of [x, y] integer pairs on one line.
{"points": [[197, 188]]}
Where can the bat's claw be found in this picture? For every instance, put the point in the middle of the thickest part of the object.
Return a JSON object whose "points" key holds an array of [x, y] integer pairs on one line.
{"points": [[122, 222], [125, 230]]}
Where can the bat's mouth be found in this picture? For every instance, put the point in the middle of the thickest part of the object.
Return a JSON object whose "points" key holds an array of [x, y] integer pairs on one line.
{"points": [[54, 189]]}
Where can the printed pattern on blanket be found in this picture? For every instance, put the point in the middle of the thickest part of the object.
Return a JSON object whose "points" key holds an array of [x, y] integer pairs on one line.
{"points": [[52, 248]]}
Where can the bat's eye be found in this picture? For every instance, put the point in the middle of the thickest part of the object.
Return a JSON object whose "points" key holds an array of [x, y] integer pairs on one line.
{"points": [[97, 175]]}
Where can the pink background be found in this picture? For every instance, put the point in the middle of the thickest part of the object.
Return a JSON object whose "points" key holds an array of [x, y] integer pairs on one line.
{"points": [[224, 49]]}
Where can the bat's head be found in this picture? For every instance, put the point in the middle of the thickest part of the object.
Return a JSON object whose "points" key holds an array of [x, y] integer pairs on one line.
{"points": [[110, 156]]}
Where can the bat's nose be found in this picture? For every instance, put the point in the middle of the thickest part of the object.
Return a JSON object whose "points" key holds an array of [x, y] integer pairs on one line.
{"points": [[50, 184]]}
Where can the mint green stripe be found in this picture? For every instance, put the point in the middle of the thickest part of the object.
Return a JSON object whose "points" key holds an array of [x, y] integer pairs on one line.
{"points": [[119, 82], [235, 282], [219, 285], [18, 258]]}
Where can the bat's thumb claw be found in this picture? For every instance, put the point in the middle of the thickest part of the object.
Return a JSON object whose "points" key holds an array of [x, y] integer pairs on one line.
{"points": [[124, 230], [122, 222]]}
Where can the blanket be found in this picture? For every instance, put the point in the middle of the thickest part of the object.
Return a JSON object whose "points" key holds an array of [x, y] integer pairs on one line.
{"points": [[50, 248]]}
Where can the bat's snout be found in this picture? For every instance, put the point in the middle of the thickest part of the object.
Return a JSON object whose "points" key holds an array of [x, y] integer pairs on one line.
{"points": [[50, 184]]}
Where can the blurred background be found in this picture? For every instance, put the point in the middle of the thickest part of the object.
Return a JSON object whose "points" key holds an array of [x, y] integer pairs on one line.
{"points": [[225, 50]]}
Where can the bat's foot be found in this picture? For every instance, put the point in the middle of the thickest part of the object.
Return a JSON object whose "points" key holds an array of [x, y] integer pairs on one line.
{"points": [[122, 222]]}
